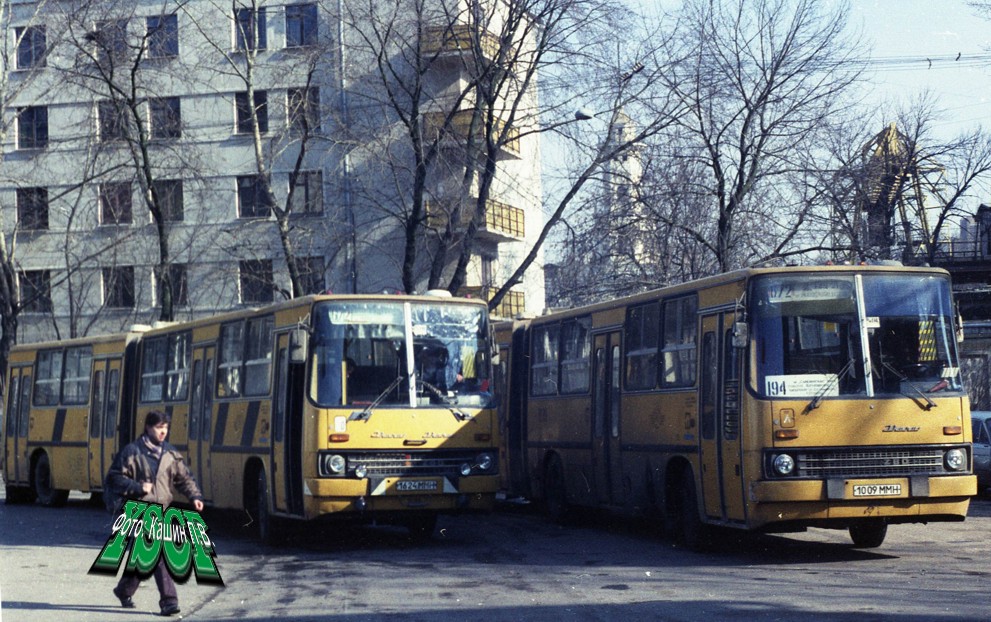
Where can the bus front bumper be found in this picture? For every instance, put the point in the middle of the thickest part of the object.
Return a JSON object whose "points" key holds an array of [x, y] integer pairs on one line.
{"points": [[329, 496], [897, 499]]}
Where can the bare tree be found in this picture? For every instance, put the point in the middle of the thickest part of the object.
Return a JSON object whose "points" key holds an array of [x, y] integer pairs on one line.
{"points": [[286, 134], [26, 53], [459, 80], [758, 79], [125, 62]]}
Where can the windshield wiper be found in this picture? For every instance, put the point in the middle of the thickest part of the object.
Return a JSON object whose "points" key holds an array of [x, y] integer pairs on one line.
{"points": [[817, 400], [903, 378], [451, 403], [366, 413]]}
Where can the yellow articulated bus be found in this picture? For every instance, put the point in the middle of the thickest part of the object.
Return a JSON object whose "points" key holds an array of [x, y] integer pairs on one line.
{"points": [[61, 427], [765, 399], [362, 407]]}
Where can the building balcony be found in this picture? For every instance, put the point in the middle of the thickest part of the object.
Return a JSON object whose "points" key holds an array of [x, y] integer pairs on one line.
{"points": [[502, 223], [513, 303], [457, 39], [460, 129]]}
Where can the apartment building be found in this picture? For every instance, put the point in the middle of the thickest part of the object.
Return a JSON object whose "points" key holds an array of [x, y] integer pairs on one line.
{"points": [[153, 146]]}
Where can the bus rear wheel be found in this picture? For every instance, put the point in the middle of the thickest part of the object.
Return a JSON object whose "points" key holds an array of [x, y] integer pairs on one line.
{"points": [[46, 493], [868, 534]]}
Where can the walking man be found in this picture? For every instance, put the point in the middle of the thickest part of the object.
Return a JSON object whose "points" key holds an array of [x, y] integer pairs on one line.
{"points": [[147, 469]]}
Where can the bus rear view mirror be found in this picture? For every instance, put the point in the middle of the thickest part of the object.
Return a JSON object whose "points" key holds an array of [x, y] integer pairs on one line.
{"points": [[298, 340], [741, 335]]}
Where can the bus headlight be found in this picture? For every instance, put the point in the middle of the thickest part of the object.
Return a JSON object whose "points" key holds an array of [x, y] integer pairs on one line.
{"points": [[955, 459], [334, 464], [465, 469], [484, 462], [360, 471], [783, 464]]}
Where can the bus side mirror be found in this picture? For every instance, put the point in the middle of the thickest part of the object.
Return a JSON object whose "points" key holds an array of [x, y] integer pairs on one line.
{"points": [[299, 339], [741, 335]]}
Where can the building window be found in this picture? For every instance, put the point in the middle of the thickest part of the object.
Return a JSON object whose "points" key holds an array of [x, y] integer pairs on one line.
{"points": [[311, 271], [110, 121], [31, 47], [32, 208], [307, 195], [252, 197], [166, 117], [242, 109], [36, 291], [249, 30], [304, 109], [168, 193], [115, 203], [32, 127], [110, 39], [256, 281], [163, 36], [118, 287], [301, 25]]}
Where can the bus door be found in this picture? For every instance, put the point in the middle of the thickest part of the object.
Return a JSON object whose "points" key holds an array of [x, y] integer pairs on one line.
{"points": [[103, 418], [16, 463], [720, 451], [200, 416], [287, 436], [277, 475], [606, 459]]}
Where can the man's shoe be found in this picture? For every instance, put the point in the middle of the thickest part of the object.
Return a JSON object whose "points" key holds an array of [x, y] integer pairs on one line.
{"points": [[125, 601], [170, 610]]}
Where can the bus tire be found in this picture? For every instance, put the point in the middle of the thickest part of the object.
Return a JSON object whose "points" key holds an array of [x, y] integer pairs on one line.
{"points": [[47, 495], [868, 534], [555, 492], [269, 528], [692, 533], [421, 527]]}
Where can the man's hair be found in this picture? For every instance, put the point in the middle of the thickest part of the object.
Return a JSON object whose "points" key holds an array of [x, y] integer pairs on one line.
{"points": [[155, 417]]}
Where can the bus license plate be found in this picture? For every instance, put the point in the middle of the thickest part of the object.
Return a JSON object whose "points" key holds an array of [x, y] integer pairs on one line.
{"points": [[416, 485], [877, 490]]}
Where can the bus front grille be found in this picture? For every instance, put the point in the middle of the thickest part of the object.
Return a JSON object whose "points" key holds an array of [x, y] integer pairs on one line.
{"points": [[870, 462], [427, 464]]}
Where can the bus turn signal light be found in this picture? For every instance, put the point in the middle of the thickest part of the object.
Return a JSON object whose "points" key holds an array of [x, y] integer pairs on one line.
{"points": [[785, 435], [339, 438], [952, 430]]}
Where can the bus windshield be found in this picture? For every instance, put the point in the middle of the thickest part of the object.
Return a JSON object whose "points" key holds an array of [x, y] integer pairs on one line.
{"points": [[410, 354], [873, 334]]}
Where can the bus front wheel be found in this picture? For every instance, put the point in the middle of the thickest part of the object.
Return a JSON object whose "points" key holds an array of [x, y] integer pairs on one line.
{"points": [[868, 534], [46, 493]]}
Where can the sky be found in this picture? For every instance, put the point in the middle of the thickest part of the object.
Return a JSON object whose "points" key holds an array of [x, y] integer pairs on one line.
{"points": [[905, 33]]}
